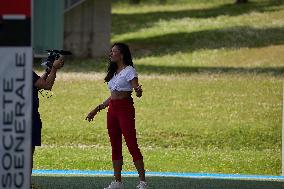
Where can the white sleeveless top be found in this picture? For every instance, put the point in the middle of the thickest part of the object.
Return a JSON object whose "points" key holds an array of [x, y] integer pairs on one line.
{"points": [[121, 81]]}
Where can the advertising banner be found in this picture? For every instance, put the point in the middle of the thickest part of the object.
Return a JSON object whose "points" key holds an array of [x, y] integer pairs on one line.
{"points": [[16, 60]]}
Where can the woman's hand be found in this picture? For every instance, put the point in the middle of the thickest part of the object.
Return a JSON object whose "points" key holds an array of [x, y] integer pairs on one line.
{"points": [[138, 91], [137, 88], [94, 112], [91, 115]]}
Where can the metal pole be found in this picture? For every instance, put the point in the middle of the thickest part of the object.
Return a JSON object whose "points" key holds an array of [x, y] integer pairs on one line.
{"points": [[283, 129]]}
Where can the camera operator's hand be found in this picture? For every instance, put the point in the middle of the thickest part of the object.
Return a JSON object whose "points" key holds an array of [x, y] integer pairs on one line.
{"points": [[57, 64], [47, 71]]}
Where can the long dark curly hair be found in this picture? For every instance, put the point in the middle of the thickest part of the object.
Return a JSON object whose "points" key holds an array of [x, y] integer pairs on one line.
{"points": [[127, 60]]}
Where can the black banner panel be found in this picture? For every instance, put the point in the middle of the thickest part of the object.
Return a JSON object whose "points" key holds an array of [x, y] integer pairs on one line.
{"points": [[15, 23], [15, 32]]}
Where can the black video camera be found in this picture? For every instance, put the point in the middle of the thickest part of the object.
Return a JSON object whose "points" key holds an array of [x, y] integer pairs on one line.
{"points": [[52, 56]]}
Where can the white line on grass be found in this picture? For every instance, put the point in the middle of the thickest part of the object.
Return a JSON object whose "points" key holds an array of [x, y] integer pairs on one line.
{"points": [[91, 76]]}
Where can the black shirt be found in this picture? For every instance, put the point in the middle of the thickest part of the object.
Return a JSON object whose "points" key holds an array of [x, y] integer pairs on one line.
{"points": [[36, 115]]}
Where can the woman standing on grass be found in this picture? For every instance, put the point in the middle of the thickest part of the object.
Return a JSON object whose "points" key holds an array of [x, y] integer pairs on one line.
{"points": [[121, 78]]}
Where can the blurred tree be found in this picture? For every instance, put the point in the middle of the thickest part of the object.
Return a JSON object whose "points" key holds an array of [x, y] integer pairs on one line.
{"points": [[134, 1], [138, 1], [241, 1]]}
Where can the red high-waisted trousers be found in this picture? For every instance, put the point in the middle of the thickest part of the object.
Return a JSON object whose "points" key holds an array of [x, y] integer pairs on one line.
{"points": [[121, 121]]}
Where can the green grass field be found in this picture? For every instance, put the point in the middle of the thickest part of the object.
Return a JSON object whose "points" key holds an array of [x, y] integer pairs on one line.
{"points": [[212, 74], [89, 182]]}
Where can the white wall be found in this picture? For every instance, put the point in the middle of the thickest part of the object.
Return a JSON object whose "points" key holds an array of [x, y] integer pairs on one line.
{"points": [[87, 28]]}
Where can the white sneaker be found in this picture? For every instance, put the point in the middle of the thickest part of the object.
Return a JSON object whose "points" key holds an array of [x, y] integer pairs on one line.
{"points": [[142, 185], [115, 185]]}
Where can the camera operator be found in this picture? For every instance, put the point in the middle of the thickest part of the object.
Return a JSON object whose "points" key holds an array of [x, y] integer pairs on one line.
{"points": [[46, 82]]}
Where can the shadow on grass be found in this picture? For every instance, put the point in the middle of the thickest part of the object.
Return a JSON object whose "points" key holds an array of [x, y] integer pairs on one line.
{"points": [[230, 38], [90, 182], [93, 66], [137, 21], [149, 69]]}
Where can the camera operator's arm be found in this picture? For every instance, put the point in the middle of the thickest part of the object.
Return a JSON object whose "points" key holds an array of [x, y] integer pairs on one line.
{"points": [[47, 83], [46, 73], [97, 109]]}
